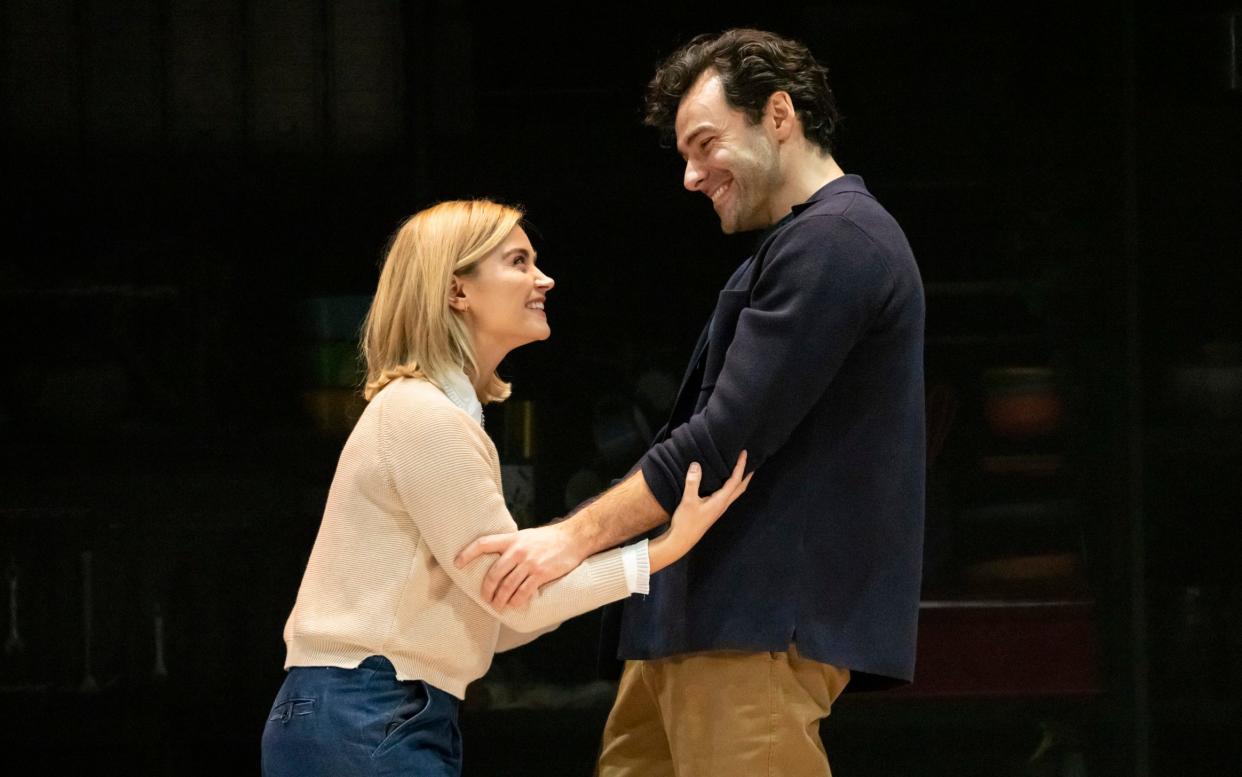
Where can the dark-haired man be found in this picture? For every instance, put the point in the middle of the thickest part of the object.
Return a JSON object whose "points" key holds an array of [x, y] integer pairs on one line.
{"points": [[812, 362]]}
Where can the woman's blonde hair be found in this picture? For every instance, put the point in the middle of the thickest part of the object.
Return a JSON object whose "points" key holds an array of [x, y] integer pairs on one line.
{"points": [[410, 331]]}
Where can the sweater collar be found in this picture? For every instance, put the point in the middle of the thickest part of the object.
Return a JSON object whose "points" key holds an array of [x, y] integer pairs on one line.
{"points": [[457, 387], [839, 185]]}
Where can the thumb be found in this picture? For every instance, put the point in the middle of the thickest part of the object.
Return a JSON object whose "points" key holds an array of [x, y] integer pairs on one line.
{"points": [[693, 475]]}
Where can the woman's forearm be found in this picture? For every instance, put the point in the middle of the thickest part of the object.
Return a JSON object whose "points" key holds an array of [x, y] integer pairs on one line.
{"points": [[666, 549]]}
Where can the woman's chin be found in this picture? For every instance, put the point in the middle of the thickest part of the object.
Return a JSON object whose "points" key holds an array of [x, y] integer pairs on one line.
{"points": [[534, 337]]}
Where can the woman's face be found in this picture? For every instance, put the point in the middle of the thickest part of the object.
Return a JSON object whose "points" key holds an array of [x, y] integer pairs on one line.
{"points": [[503, 299]]}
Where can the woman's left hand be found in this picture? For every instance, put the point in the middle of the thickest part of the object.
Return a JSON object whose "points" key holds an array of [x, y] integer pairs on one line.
{"points": [[695, 514]]}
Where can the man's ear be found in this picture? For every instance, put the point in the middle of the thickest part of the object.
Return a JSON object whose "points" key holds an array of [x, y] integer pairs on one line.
{"points": [[780, 108], [457, 295]]}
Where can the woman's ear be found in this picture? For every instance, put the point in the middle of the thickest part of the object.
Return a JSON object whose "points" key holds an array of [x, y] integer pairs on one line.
{"points": [[457, 295]]}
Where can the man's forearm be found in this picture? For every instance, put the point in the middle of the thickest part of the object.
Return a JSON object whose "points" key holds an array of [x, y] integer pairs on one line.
{"points": [[623, 511]]}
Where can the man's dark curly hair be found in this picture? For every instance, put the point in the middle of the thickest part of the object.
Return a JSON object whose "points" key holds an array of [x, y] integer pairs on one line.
{"points": [[752, 65]]}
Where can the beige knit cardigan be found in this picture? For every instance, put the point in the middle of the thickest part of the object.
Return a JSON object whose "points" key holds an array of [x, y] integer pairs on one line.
{"points": [[417, 481]]}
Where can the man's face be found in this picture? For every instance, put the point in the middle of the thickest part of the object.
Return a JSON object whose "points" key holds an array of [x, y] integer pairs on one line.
{"points": [[736, 164]]}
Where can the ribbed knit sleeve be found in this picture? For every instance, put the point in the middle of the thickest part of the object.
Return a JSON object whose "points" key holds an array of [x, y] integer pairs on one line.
{"points": [[510, 639], [446, 474]]}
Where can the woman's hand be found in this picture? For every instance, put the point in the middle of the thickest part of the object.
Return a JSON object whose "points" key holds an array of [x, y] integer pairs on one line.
{"points": [[695, 514]]}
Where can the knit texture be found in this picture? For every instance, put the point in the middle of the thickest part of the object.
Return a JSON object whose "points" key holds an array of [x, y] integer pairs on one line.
{"points": [[417, 481]]}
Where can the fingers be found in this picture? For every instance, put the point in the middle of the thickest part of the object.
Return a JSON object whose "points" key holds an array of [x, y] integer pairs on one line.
{"points": [[525, 592], [493, 543], [499, 572], [509, 586], [742, 488], [732, 488], [739, 469], [694, 475]]}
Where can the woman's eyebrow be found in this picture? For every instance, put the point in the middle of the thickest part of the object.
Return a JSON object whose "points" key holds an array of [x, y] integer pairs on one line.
{"points": [[534, 255]]}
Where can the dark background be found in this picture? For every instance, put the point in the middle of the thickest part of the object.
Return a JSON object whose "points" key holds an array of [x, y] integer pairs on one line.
{"points": [[180, 177]]}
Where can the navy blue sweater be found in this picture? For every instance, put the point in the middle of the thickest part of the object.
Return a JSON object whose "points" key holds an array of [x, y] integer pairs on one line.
{"points": [[813, 363]]}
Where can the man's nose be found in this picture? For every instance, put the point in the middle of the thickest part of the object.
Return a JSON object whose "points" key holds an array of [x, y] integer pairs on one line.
{"points": [[693, 177]]}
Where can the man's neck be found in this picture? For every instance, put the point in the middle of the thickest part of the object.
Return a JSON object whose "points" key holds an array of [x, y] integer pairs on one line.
{"points": [[806, 172]]}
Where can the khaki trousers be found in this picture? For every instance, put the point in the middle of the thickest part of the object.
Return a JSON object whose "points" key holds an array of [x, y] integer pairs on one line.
{"points": [[721, 714]]}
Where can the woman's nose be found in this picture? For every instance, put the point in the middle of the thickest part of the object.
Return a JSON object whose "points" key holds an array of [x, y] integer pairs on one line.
{"points": [[544, 281]]}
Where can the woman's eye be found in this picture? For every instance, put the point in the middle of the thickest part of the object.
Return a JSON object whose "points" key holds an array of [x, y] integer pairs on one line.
{"points": [[519, 260]]}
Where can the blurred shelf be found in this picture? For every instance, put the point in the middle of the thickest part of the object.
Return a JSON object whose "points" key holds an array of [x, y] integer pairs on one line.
{"points": [[903, 710], [44, 515], [1000, 603], [105, 293], [124, 440], [551, 91], [928, 184], [977, 340], [1006, 648], [146, 523], [1000, 288], [1189, 713], [1217, 430], [28, 689]]}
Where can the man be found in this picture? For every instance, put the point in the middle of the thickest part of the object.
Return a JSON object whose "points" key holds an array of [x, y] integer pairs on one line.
{"points": [[813, 363]]}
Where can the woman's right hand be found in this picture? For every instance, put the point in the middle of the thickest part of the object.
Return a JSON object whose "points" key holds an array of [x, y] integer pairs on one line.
{"points": [[695, 514]]}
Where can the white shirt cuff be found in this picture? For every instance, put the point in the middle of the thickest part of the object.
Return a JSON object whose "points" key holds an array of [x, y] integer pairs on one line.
{"points": [[637, 565]]}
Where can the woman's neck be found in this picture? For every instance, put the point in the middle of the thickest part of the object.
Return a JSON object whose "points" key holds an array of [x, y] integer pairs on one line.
{"points": [[487, 358]]}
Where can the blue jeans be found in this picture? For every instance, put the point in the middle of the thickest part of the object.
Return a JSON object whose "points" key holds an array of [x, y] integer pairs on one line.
{"points": [[337, 722]]}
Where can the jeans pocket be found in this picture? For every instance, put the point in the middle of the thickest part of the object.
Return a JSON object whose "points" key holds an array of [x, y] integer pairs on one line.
{"points": [[286, 710], [406, 716]]}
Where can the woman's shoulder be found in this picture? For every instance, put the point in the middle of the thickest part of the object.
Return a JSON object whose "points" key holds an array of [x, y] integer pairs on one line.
{"points": [[408, 388], [418, 402], [416, 420]]}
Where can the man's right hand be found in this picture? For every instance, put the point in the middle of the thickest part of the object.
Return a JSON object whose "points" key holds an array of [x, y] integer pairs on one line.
{"points": [[528, 559]]}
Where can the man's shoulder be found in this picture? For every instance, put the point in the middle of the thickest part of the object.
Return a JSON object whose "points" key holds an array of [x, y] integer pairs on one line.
{"points": [[854, 207], [840, 223], [845, 227], [850, 214]]}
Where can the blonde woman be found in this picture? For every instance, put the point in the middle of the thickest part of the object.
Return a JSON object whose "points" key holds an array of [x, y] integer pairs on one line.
{"points": [[387, 632]]}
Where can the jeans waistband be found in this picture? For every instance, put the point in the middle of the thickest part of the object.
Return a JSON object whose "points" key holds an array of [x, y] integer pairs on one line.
{"points": [[378, 664]]}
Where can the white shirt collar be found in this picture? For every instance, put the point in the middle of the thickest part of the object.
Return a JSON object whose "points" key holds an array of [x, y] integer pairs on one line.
{"points": [[460, 392]]}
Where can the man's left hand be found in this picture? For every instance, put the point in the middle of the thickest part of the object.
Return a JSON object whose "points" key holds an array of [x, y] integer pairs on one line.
{"points": [[528, 560]]}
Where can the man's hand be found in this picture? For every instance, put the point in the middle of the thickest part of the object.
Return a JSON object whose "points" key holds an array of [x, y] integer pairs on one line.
{"points": [[528, 559]]}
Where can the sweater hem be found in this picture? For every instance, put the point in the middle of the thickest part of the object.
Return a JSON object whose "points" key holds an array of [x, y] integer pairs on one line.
{"points": [[407, 667]]}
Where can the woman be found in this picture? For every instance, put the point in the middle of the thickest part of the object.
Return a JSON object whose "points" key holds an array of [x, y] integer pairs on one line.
{"points": [[386, 632]]}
